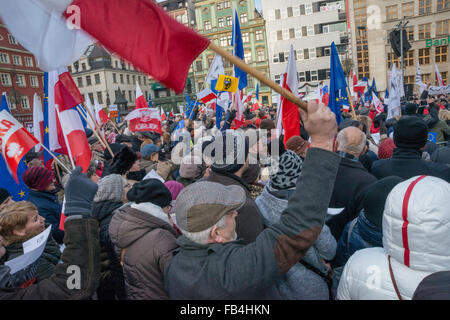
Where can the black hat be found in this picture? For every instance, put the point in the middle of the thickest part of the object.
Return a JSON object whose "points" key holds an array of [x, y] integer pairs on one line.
{"points": [[410, 133], [30, 155], [123, 161], [435, 286], [123, 138], [150, 190], [375, 198], [115, 148], [4, 194], [411, 108]]}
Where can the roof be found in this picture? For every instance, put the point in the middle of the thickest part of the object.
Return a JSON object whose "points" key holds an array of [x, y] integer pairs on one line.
{"points": [[96, 51]]}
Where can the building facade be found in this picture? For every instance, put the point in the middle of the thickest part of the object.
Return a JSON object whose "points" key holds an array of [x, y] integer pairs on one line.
{"points": [[100, 74], [427, 32], [215, 21], [20, 77], [311, 27]]}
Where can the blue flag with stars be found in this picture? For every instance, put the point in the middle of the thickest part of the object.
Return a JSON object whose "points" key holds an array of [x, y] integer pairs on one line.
{"points": [[238, 47], [19, 191], [338, 84], [4, 103]]}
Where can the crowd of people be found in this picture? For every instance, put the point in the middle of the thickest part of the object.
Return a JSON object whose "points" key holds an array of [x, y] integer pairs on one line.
{"points": [[355, 211]]}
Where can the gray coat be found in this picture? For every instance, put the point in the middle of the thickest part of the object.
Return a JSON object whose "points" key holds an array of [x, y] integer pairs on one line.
{"points": [[299, 283], [233, 270]]}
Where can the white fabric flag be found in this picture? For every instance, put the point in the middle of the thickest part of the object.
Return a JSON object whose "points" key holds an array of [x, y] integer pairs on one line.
{"points": [[38, 25], [394, 94], [279, 126], [38, 121], [89, 106], [438, 76], [216, 69]]}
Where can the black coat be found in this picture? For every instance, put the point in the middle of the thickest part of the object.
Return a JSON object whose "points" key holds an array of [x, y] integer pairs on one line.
{"points": [[408, 163], [352, 180]]}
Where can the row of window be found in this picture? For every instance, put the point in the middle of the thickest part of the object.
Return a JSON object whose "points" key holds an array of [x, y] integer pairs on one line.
{"points": [[24, 103], [127, 66], [305, 54], [304, 9], [229, 21], [17, 60], [260, 57], [12, 40], [131, 96], [226, 40], [305, 31], [408, 8], [311, 75], [130, 80], [424, 55], [21, 80], [223, 5]]}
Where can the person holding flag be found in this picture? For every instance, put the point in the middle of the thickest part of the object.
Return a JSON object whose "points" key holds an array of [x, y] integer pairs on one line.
{"points": [[338, 84]]}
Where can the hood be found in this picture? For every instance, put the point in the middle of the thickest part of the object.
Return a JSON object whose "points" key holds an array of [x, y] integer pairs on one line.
{"points": [[132, 223], [270, 206], [416, 224]]}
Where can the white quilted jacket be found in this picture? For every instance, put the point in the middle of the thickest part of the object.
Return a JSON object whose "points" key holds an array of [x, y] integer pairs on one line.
{"points": [[416, 217]]}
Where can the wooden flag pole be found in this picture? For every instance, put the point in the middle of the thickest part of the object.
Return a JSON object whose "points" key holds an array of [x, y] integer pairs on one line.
{"points": [[56, 159], [65, 137], [258, 75], [351, 104]]}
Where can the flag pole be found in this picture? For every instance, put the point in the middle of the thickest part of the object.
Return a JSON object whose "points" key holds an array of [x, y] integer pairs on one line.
{"points": [[56, 159], [258, 75], [351, 104], [65, 138]]}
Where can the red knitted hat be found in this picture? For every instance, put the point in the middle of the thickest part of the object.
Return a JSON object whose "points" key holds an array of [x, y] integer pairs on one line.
{"points": [[386, 149], [38, 178]]}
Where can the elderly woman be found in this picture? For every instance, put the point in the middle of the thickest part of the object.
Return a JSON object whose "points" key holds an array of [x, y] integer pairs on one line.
{"points": [[308, 279]]}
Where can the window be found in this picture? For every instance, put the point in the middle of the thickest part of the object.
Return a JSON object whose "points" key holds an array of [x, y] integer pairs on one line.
{"points": [[298, 32], [130, 95], [308, 9], [424, 31], [426, 77], [424, 56], [391, 13], [243, 17], [443, 4], [410, 32], [29, 62], [247, 57], [6, 79], [441, 54], [301, 77], [442, 28], [282, 58], [221, 22], [306, 54], [285, 34], [229, 21], [284, 13], [17, 60], [83, 66], [199, 65], [117, 64], [219, 5], [226, 4], [276, 58], [210, 59], [444, 76], [408, 9], [144, 79], [277, 14], [80, 82], [310, 30], [12, 40], [25, 102], [223, 41], [245, 37], [91, 97], [409, 79], [424, 6], [312, 53], [259, 35], [207, 25], [292, 33], [121, 78], [88, 81], [296, 11], [4, 57], [97, 79], [34, 81], [128, 78], [139, 80], [260, 55], [392, 58], [409, 58], [11, 104], [20, 80], [314, 75], [290, 12], [325, 29], [279, 35], [134, 79], [114, 78], [278, 78], [230, 37], [99, 97]]}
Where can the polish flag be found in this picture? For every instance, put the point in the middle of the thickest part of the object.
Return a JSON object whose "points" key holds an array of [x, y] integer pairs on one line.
{"points": [[163, 115], [140, 99], [67, 92], [76, 140], [206, 95], [255, 106], [360, 87], [38, 122], [291, 115], [239, 106], [354, 77], [145, 119], [15, 142], [377, 103], [440, 82], [248, 98], [100, 115]]}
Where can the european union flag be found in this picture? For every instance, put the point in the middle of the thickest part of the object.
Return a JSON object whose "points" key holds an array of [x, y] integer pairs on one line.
{"points": [[150, 103], [386, 94], [238, 46], [257, 91], [47, 155], [4, 103], [374, 88], [338, 84]]}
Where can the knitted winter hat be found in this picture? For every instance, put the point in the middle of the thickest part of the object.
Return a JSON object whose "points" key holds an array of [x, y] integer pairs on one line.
{"points": [[110, 188], [230, 152], [386, 149], [410, 132], [174, 187], [38, 178], [150, 190], [289, 168], [4, 194]]}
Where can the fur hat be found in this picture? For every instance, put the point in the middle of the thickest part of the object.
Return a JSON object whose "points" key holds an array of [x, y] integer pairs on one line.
{"points": [[123, 161]]}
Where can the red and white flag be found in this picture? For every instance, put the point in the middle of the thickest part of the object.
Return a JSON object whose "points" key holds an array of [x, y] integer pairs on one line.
{"points": [[354, 77], [76, 140], [163, 115], [15, 142], [379, 108], [171, 115], [239, 106], [291, 115], [38, 122], [140, 99], [206, 95], [360, 87], [440, 82], [247, 98], [100, 115], [145, 119]]}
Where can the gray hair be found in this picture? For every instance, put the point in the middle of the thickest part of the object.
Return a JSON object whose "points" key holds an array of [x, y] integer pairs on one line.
{"points": [[202, 237], [349, 143]]}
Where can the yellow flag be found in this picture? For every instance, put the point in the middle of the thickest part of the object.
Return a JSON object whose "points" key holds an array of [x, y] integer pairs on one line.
{"points": [[227, 83]]}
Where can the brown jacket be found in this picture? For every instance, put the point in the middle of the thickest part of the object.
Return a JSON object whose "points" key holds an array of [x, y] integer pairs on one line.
{"points": [[144, 244], [249, 222]]}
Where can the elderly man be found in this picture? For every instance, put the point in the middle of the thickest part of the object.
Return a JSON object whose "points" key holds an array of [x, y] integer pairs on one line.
{"points": [[352, 179], [210, 264]]}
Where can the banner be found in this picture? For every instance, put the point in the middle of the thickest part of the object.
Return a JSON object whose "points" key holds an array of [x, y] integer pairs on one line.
{"points": [[147, 119]]}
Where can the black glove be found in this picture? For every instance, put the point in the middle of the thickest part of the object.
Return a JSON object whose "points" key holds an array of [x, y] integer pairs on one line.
{"points": [[231, 116], [79, 194], [383, 128]]}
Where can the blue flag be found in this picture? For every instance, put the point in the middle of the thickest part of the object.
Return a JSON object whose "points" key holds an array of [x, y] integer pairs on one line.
{"points": [[338, 84], [118, 116], [374, 88], [257, 91], [219, 113], [238, 47], [213, 86], [81, 111], [150, 103], [4, 103], [47, 155], [386, 94]]}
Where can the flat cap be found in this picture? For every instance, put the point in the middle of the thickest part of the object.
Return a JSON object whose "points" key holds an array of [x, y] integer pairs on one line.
{"points": [[201, 205]]}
